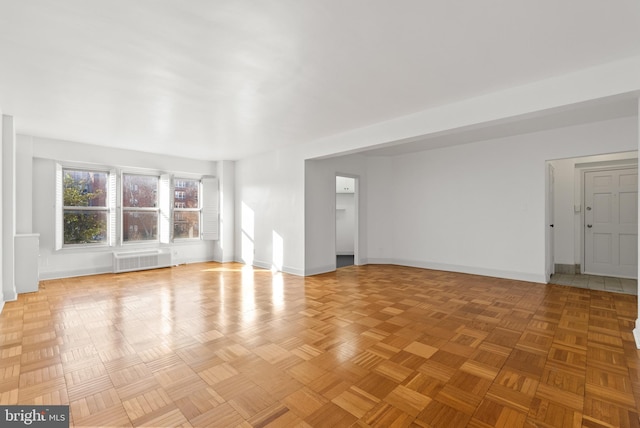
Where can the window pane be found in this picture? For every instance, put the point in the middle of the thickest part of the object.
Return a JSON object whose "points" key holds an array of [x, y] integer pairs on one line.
{"points": [[139, 191], [85, 227], [139, 226], [186, 224], [85, 188], [186, 193]]}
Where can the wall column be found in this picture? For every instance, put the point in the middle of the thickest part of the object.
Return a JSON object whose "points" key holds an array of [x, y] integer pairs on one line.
{"points": [[8, 207], [225, 246], [1, 231]]}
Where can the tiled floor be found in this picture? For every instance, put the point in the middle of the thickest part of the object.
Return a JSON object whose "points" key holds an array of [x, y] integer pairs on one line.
{"points": [[344, 260], [594, 282]]}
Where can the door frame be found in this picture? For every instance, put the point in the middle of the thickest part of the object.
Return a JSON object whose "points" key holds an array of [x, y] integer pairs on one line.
{"points": [[549, 219], [583, 188], [356, 218]]}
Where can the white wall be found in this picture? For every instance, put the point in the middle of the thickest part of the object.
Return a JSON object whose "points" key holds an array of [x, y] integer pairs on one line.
{"points": [[380, 217], [564, 216], [480, 208], [477, 208], [8, 207], [24, 176], [287, 194], [280, 196], [269, 211], [2, 240], [85, 261], [345, 223], [320, 205], [225, 246]]}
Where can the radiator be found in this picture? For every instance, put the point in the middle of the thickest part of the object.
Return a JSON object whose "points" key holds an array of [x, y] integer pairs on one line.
{"points": [[140, 260]]}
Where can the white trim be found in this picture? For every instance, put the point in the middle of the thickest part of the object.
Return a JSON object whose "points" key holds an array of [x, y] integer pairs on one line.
{"points": [[265, 265], [1, 305], [124, 209], [292, 271], [319, 270], [636, 333], [45, 275], [261, 265], [494, 273], [205, 259], [210, 218], [165, 204], [59, 208], [112, 203]]}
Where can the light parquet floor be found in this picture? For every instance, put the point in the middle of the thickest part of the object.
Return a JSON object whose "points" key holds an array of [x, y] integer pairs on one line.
{"points": [[380, 346]]}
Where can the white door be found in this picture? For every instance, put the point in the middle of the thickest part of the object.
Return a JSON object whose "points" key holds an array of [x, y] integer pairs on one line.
{"points": [[611, 223]]}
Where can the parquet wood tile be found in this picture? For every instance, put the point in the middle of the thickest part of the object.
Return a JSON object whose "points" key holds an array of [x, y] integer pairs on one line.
{"points": [[408, 400], [331, 415], [92, 404], [276, 415], [225, 345]]}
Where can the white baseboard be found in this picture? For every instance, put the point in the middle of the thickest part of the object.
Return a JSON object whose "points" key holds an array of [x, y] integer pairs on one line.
{"points": [[495, 273], [1, 305], [71, 273], [319, 270], [189, 261], [10, 297], [520, 276], [636, 333], [58, 274], [261, 264], [293, 271], [266, 265], [285, 269]]}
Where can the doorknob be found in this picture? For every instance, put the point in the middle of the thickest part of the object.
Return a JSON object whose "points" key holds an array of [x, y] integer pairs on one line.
{"points": [[589, 226], [550, 225]]}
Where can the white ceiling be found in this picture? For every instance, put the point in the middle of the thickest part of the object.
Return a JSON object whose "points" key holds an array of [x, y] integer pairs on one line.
{"points": [[226, 79]]}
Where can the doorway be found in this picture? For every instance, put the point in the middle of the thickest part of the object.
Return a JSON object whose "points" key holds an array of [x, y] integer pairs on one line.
{"points": [[549, 216], [346, 221], [573, 186]]}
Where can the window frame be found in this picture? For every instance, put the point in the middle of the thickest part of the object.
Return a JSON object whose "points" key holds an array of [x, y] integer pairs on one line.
{"points": [[165, 206], [183, 180], [125, 209], [61, 208]]}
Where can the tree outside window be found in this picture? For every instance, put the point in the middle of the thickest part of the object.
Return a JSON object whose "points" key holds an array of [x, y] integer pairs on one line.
{"points": [[186, 209], [85, 208], [139, 208]]}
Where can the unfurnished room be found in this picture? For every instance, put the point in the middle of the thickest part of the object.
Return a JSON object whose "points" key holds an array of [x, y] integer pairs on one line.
{"points": [[319, 213]]}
